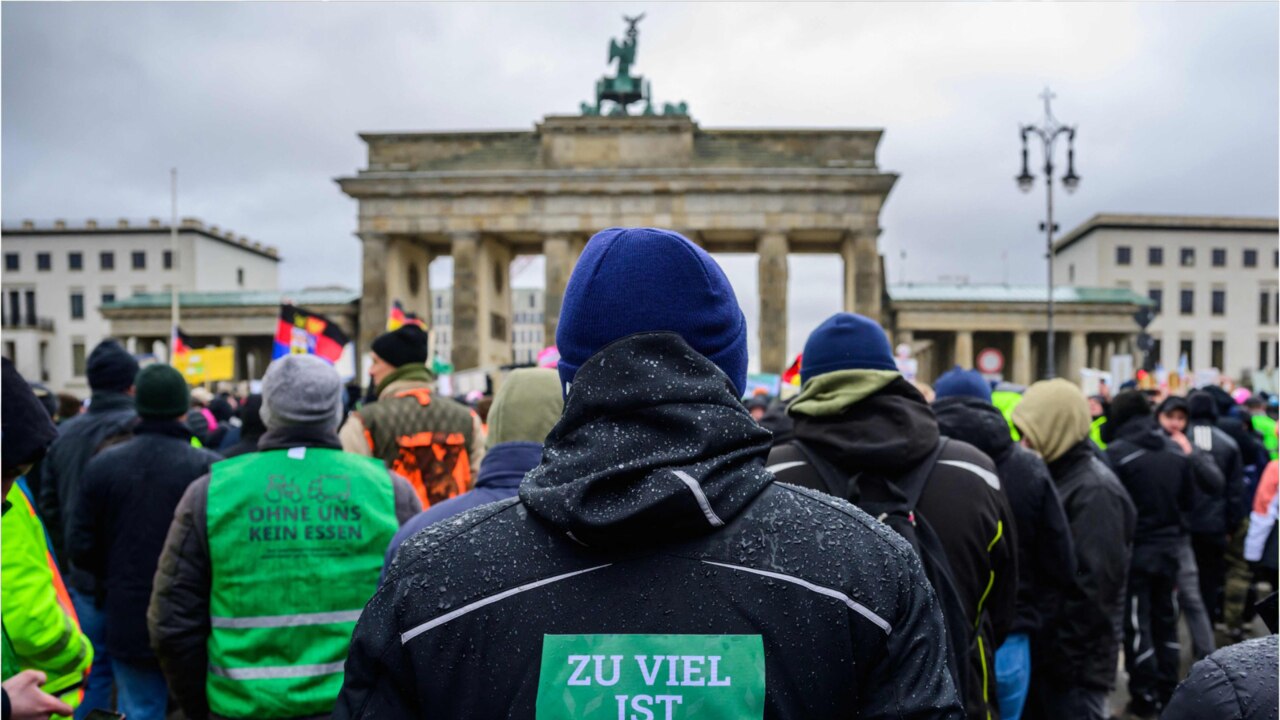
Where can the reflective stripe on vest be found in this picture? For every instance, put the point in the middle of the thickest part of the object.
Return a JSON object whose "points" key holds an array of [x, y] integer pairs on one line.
{"points": [[296, 540]]}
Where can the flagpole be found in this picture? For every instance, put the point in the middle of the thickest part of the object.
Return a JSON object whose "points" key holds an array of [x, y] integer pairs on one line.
{"points": [[173, 268]]}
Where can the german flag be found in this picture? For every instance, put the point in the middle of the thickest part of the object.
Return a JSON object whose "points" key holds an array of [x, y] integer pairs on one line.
{"points": [[398, 318], [307, 333], [182, 343], [792, 375]]}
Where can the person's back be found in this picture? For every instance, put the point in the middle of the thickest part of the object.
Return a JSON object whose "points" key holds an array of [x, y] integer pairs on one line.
{"points": [[858, 414], [1238, 682], [270, 558], [430, 440], [1154, 472], [651, 565], [1074, 666]]}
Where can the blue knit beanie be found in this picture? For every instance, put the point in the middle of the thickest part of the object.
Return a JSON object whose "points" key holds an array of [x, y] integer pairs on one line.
{"points": [[634, 280], [964, 383], [846, 342]]}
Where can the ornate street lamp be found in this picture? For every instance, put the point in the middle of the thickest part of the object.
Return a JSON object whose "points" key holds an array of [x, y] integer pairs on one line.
{"points": [[1048, 132]]}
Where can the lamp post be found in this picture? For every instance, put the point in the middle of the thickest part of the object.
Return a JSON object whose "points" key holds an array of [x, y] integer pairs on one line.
{"points": [[1048, 131]]}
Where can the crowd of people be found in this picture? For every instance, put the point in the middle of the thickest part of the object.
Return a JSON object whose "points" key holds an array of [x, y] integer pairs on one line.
{"points": [[626, 536]]}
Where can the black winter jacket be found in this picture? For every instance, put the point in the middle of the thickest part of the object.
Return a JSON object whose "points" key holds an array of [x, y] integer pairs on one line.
{"points": [[1160, 478], [1079, 640], [1046, 558], [127, 498], [178, 616], [110, 415], [1235, 683], [651, 515], [882, 438], [1217, 513]]}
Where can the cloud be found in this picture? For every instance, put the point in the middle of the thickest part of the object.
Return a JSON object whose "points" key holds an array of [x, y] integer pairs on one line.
{"points": [[259, 105]]}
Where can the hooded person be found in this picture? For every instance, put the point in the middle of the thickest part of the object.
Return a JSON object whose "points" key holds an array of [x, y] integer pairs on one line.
{"points": [[45, 656], [432, 441], [525, 409], [865, 434], [128, 496], [270, 557], [1232, 421], [1160, 471], [651, 533], [1046, 558], [251, 428], [111, 371], [1075, 660]]}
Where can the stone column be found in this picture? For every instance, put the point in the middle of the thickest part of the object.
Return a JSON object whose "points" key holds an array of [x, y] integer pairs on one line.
{"points": [[848, 253], [1077, 354], [559, 261], [466, 300], [772, 249], [964, 349], [373, 294], [1095, 356], [1108, 352], [1023, 372], [867, 290]]}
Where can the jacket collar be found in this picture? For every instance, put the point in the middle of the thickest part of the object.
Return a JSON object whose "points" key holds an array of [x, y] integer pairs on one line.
{"points": [[289, 436], [166, 428], [653, 446], [504, 465], [101, 402]]}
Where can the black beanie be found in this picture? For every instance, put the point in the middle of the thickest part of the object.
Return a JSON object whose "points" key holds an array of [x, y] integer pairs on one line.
{"points": [[1126, 406], [162, 393], [1202, 406], [26, 426], [111, 368], [405, 346]]}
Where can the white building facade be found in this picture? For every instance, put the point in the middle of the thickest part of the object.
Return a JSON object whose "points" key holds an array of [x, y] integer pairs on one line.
{"points": [[528, 336], [1213, 280], [56, 277]]}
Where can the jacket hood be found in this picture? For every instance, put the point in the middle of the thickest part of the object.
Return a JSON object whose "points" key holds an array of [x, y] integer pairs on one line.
{"points": [[1143, 432], [976, 422], [1053, 416], [1221, 398], [526, 407], [653, 446], [888, 432], [505, 464], [1201, 406], [835, 392]]}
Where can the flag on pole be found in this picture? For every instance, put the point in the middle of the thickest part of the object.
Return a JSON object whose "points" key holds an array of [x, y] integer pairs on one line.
{"points": [[179, 344], [398, 318], [792, 375], [307, 333]]}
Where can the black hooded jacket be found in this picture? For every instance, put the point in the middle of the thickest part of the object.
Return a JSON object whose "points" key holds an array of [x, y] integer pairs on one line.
{"points": [[1159, 477], [1046, 559], [1079, 642], [651, 523], [885, 436], [1253, 454], [1215, 513], [1235, 683]]}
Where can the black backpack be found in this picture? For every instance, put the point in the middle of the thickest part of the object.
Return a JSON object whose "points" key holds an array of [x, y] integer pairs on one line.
{"points": [[901, 515]]}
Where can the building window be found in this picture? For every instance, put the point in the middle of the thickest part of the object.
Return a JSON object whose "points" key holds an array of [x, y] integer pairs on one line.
{"points": [[10, 351], [1251, 258], [1157, 297], [44, 361], [439, 302], [1124, 255], [168, 259], [15, 308], [77, 305], [1187, 257], [106, 261], [1155, 256], [31, 308], [1275, 258], [1184, 350], [44, 262], [1186, 302], [240, 277], [108, 295], [1071, 272], [1215, 354], [11, 261], [139, 260], [1262, 354], [532, 298], [1264, 307], [75, 261], [1154, 357], [1219, 257], [77, 358], [1219, 302]]}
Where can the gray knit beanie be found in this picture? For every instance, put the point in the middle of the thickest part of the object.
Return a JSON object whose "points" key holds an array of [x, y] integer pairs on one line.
{"points": [[301, 390]]}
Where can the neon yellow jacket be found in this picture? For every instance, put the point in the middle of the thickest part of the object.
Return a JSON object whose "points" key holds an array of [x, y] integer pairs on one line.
{"points": [[41, 631]]}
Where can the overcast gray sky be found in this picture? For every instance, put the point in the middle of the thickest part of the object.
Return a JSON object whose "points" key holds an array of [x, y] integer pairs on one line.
{"points": [[258, 105]]}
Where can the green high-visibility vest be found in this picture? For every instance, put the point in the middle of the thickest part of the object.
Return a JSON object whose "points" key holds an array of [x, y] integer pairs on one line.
{"points": [[296, 540], [1266, 427], [1005, 401]]}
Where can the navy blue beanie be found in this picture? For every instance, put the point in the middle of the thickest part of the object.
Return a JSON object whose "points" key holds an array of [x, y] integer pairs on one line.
{"points": [[963, 383], [634, 280], [846, 342]]}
